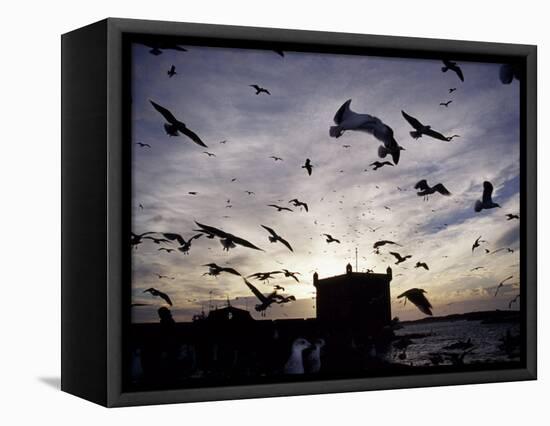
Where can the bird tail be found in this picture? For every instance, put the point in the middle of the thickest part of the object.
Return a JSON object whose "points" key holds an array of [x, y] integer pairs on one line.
{"points": [[416, 134], [477, 206], [335, 131]]}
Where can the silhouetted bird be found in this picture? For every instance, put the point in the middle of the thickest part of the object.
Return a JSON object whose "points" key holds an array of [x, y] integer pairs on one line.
{"points": [[260, 89], [274, 237], [173, 125], [171, 72], [400, 259], [452, 89], [477, 268], [249, 192], [381, 243], [227, 240], [421, 129], [514, 300], [511, 216], [508, 72], [209, 154], [185, 246], [331, 239], [155, 292], [297, 203], [216, 270], [265, 301], [346, 119], [291, 274], [275, 158], [486, 201], [308, 166], [445, 104], [422, 265], [279, 208], [135, 239], [416, 296], [477, 243], [424, 190], [378, 164], [501, 284], [264, 276], [450, 65], [157, 240], [278, 287], [143, 145], [450, 138], [158, 46], [501, 249]]}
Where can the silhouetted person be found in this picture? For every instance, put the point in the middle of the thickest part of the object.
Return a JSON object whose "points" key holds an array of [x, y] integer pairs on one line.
{"points": [[166, 317]]}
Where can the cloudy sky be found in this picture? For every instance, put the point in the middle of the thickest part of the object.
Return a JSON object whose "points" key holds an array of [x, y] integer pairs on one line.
{"points": [[346, 198]]}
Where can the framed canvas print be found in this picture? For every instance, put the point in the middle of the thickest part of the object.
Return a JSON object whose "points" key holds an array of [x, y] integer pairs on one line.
{"points": [[253, 212]]}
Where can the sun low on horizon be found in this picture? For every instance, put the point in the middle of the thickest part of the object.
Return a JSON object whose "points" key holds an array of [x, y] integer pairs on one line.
{"points": [[250, 173]]}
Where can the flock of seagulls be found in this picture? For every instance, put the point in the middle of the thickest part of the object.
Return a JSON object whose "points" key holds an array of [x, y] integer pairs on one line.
{"points": [[345, 120]]}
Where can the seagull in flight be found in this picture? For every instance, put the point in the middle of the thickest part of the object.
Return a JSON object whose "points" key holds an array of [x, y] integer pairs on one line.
{"points": [[501, 284], [143, 145], [227, 240], [421, 129], [158, 293], [185, 246], [279, 208], [477, 243], [346, 119], [400, 259], [486, 201], [135, 239], [424, 190], [260, 89], [156, 240], [510, 216], [173, 126], [446, 104], [450, 65], [275, 158], [422, 265], [167, 250], [209, 154], [264, 276], [452, 89], [158, 46], [297, 203], [274, 237], [216, 270], [378, 164], [265, 301], [289, 274], [308, 166], [381, 243], [477, 268], [171, 72], [331, 239], [416, 297]]}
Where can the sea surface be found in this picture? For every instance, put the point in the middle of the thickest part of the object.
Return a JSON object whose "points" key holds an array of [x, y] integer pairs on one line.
{"points": [[486, 338]]}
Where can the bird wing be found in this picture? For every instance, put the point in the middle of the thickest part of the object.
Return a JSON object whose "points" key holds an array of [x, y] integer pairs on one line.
{"points": [[436, 135], [422, 185], [256, 292], [487, 192], [243, 242], [342, 112], [190, 134], [396, 255], [441, 189], [420, 301], [231, 271], [458, 71], [286, 243], [173, 236], [270, 230], [212, 231], [168, 116], [165, 297], [412, 121], [194, 237], [305, 206]]}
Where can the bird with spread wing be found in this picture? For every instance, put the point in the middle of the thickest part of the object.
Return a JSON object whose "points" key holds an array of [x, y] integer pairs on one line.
{"points": [[173, 126], [421, 129], [274, 237], [416, 297]]}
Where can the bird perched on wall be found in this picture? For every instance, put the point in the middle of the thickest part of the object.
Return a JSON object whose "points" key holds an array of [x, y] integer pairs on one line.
{"points": [[173, 126], [421, 129], [486, 201], [450, 65], [274, 237], [416, 296], [348, 120], [158, 293], [295, 362]]}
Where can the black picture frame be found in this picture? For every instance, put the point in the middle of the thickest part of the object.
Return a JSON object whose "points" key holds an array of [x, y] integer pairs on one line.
{"points": [[95, 202]]}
